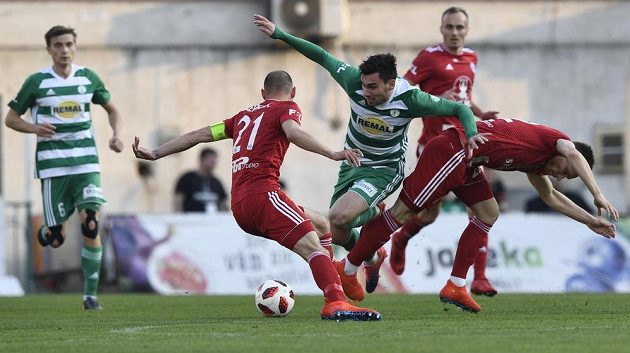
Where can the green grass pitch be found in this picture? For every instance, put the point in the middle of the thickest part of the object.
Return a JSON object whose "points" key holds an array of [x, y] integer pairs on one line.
{"points": [[411, 323]]}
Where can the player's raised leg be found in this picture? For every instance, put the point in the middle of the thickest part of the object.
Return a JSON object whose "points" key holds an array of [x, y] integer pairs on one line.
{"points": [[373, 236], [401, 237]]}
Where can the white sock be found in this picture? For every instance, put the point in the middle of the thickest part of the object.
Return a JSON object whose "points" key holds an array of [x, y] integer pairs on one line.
{"points": [[349, 268], [89, 296], [460, 282], [373, 260]]}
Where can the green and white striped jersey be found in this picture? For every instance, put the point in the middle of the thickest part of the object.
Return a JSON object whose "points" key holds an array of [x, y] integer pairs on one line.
{"points": [[380, 132], [64, 103]]}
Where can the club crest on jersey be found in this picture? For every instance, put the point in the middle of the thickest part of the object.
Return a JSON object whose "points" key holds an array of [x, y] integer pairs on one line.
{"points": [[394, 113], [68, 109], [374, 125], [81, 89], [462, 86]]}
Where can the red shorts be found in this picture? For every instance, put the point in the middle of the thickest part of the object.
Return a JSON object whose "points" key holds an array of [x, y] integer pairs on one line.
{"points": [[440, 170], [274, 216]]}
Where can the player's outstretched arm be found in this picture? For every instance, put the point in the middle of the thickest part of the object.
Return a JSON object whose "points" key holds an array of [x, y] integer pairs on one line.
{"points": [[556, 200], [577, 161], [264, 24], [176, 145], [306, 48], [427, 105], [307, 142]]}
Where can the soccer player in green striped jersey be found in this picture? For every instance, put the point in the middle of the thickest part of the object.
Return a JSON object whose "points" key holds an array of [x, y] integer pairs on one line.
{"points": [[66, 159], [382, 106]]}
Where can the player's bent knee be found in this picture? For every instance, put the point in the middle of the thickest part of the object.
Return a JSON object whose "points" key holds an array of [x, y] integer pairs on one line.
{"points": [[489, 218], [308, 245], [89, 227], [430, 216], [55, 236], [340, 219]]}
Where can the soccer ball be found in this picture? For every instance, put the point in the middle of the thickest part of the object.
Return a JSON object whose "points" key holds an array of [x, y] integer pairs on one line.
{"points": [[274, 298]]}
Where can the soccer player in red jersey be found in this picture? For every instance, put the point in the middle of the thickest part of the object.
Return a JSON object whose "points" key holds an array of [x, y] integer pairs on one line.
{"points": [[514, 145], [261, 135], [446, 70]]}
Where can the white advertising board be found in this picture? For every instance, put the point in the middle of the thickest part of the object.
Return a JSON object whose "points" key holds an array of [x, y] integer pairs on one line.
{"points": [[212, 255], [9, 285]]}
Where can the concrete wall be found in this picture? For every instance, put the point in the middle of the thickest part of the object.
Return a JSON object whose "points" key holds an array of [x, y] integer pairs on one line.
{"points": [[176, 67]]}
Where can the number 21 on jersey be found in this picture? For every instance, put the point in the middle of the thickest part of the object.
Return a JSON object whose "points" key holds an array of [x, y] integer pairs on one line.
{"points": [[246, 121]]}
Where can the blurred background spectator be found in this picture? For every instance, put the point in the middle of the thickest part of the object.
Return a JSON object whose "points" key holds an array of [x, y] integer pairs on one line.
{"points": [[199, 190]]}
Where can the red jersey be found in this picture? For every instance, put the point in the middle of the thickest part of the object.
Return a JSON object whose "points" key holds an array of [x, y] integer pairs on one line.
{"points": [[517, 145], [436, 71], [259, 146]]}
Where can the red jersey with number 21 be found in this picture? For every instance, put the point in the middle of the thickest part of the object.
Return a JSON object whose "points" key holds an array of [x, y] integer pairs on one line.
{"points": [[259, 145]]}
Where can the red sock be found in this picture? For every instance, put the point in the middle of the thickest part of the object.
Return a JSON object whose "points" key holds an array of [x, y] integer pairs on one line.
{"points": [[412, 227], [468, 247], [482, 259], [326, 242], [373, 235], [326, 276]]}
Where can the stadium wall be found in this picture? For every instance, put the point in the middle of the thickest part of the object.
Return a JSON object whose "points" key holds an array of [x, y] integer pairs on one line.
{"points": [[173, 67]]}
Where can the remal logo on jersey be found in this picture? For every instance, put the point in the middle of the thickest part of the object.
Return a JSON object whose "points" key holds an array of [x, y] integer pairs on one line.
{"points": [[374, 125], [68, 109]]}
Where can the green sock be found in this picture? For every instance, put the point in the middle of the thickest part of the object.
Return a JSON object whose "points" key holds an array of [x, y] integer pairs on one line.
{"points": [[91, 265], [364, 217], [354, 237]]}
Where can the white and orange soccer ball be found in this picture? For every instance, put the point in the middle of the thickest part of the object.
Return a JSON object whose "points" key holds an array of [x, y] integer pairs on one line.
{"points": [[274, 298]]}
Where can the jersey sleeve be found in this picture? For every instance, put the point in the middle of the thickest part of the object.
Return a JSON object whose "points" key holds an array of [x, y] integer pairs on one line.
{"points": [[347, 76], [420, 69], [26, 97], [291, 113], [428, 105], [552, 136], [101, 95], [229, 126]]}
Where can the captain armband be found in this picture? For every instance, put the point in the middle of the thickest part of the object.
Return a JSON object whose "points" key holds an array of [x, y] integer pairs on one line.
{"points": [[218, 131]]}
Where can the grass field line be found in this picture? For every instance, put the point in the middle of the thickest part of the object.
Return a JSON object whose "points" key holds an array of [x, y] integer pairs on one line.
{"points": [[136, 329], [142, 329]]}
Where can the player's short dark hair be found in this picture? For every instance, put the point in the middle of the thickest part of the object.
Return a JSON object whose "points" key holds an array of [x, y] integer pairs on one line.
{"points": [[59, 31], [384, 64], [454, 9], [278, 81], [207, 152], [586, 151]]}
